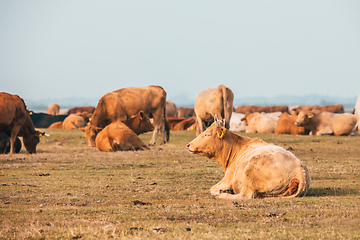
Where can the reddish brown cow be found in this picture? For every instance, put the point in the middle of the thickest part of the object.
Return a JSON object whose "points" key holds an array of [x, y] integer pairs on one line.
{"points": [[184, 112], [334, 108], [286, 125], [185, 124], [139, 123], [56, 125], [88, 109], [126, 102], [15, 121], [173, 121], [266, 109]]}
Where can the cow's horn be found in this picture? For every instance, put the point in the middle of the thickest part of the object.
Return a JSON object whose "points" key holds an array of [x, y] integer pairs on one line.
{"points": [[216, 120]]}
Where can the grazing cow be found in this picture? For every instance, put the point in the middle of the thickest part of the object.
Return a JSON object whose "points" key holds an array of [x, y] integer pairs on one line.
{"points": [[171, 109], [260, 122], [236, 124], [56, 125], [325, 123], [15, 121], [73, 121], [213, 101], [253, 168], [185, 124], [88, 109], [184, 112], [53, 109], [286, 125], [126, 102], [118, 137], [5, 144], [44, 120]]}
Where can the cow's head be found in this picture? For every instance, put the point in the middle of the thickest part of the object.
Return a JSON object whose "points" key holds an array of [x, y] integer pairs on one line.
{"points": [[31, 141], [209, 142], [90, 133], [303, 118], [142, 123]]}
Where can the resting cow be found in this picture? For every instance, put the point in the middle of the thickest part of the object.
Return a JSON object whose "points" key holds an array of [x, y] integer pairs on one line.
{"points": [[286, 125], [260, 122], [126, 102], [213, 101], [325, 123], [73, 121], [253, 168], [236, 124], [44, 120], [15, 121]]}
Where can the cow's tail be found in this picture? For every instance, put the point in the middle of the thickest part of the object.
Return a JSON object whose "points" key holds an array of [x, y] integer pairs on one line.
{"points": [[167, 126], [299, 185], [228, 98]]}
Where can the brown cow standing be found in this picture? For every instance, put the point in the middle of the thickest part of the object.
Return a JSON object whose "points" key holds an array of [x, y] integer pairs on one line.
{"points": [[213, 101], [53, 109], [15, 121], [126, 102]]}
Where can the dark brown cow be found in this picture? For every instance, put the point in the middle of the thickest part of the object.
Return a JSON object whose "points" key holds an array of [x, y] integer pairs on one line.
{"points": [[126, 102], [286, 125], [15, 121], [88, 109], [184, 112]]}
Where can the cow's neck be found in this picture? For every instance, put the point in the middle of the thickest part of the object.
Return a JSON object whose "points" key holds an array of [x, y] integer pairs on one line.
{"points": [[231, 150]]}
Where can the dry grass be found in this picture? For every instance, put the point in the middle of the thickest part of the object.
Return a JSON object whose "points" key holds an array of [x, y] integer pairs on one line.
{"points": [[71, 191]]}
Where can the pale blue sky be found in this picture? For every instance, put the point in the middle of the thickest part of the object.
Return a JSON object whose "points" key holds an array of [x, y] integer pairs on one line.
{"points": [[257, 48]]}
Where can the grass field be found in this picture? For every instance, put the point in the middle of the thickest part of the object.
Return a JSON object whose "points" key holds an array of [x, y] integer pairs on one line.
{"points": [[71, 191]]}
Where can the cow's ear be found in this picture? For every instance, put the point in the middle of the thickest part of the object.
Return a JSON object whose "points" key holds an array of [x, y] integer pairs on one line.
{"points": [[310, 115], [221, 131], [141, 115]]}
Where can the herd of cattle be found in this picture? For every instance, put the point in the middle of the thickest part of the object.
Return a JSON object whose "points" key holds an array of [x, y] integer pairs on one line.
{"points": [[121, 115]]}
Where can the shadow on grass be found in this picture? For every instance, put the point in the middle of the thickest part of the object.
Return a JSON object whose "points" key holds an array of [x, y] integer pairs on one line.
{"points": [[321, 192]]}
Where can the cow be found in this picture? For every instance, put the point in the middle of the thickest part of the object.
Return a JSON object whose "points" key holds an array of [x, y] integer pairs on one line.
{"points": [[44, 120], [53, 109], [236, 124], [5, 144], [171, 109], [213, 101], [88, 109], [185, 112], [185, 124], [56, 125], [334, 108], [15, 121], [122, 135], [325, 123], [260, 122], [73, 121], [286, 125], [253, 168], [118, 137], [124, 103], [173, 121], [266, 109]]}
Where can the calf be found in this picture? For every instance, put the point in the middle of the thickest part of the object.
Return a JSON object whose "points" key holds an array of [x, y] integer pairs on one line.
{"points": [[253, 168]]}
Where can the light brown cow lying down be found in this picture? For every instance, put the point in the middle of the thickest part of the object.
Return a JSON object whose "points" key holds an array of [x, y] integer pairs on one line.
{"points": [[117, 136], [253, 168], [73, 121], [260, 122], [325, 123]]}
